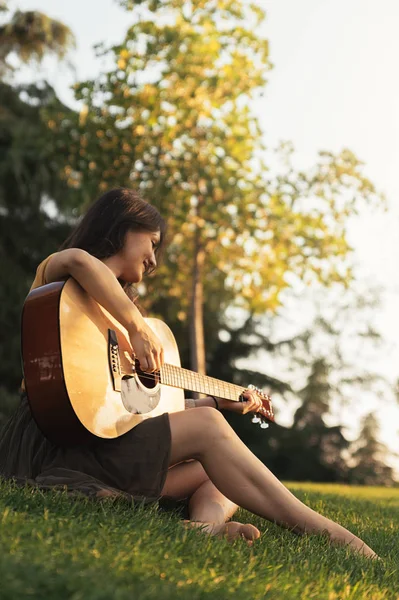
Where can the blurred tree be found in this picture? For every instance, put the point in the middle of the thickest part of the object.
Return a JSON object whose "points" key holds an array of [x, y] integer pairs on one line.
{"points": [[317, 451], [34, 201], [335, 350], [30, 35], [309, 450], [369, 456], [173, 116]]}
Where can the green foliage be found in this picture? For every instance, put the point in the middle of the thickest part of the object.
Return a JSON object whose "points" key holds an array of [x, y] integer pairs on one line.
{"points": [[173, 117], [369, 456], [29, 178], [55, 547], [31, 35], [327, 366], [317, 450], [155, 131], [338, 349], [30, 161]]}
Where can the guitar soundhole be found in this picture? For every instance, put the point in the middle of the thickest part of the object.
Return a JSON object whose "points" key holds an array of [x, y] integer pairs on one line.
{"points": [[149, 380]]}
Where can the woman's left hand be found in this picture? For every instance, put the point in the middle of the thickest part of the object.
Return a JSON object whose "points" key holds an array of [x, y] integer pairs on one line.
{"points": [[252, 403]]}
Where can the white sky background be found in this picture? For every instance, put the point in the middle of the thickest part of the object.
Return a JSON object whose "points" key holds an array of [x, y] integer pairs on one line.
{"points": [[335, 84]]}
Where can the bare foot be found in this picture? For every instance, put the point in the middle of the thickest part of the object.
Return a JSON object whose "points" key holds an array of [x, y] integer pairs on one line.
{"points": [[234, 530], [339, 535], [231, 530], [359, 546]]}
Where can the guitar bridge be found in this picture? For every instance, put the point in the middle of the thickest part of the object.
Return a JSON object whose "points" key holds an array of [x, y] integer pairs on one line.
{"points": [[114, 360]]}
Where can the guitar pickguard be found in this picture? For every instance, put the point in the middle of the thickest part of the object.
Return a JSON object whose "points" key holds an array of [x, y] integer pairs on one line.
{"points": [[138, 399]]}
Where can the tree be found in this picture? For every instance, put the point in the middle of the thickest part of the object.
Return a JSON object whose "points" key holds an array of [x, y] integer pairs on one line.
{"points": [[309, 450], [327, 366], [173, 117], [31, 35], [369, 456], [30, 162], [319, 455], [336, 350]]}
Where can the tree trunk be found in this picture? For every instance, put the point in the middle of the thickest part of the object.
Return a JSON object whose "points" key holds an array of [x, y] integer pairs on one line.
{"points": [[197, 342]]}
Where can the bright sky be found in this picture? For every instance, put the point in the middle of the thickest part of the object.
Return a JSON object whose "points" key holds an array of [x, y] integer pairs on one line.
{"points": [[335, 84]]}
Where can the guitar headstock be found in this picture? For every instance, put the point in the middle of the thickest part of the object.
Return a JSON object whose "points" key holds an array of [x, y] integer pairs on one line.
{"points": [[265, 413]]}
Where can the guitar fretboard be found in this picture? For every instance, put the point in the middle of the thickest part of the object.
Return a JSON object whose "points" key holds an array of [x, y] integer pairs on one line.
{"points": [[189, 380]]}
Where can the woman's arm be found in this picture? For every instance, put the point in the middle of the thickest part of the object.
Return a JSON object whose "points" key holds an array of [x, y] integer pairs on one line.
{"points": [[207, 401], [102, 285], [98, 281], [251, 404]]}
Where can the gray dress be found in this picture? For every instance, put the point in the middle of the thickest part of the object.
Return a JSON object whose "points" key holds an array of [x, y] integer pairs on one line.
{"points": [[134, 464]]}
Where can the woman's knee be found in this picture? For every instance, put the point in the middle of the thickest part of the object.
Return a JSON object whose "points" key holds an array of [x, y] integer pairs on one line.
{"points": [[211, 421], [195, 431]]}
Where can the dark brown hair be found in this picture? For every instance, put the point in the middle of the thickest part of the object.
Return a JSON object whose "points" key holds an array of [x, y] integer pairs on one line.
{"points": [[102, 230]]}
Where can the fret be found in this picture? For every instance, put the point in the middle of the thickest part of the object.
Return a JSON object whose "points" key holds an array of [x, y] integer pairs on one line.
{"points": [[190, 380]]}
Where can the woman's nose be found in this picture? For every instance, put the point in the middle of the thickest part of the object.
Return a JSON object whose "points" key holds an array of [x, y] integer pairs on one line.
{"points": [[153, 261]]}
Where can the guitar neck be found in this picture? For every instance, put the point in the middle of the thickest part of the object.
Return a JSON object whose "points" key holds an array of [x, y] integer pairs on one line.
{"points": [[194, 382]]}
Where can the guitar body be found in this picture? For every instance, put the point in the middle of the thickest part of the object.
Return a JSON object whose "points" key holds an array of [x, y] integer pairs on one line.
{"points": [[79, 374]]}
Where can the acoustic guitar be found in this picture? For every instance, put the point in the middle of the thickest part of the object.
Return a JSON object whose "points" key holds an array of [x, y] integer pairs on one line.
{"points": [[80, 375]]}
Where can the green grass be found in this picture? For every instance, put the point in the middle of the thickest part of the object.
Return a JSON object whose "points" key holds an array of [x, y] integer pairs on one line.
{"points": [[54, 547]]}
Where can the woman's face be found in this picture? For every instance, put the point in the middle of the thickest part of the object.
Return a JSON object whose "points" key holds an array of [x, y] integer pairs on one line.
{"points": [[136, 256]]}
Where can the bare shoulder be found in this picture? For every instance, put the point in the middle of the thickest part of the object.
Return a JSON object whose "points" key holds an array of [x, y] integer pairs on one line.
{"points": [[61, 265]]}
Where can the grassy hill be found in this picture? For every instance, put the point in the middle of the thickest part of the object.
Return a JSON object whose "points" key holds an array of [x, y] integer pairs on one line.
{"points": [[53, 547]]}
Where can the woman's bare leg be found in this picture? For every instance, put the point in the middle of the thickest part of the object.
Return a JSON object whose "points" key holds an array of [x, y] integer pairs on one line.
{"points": [[204, 434], [208, 508]]}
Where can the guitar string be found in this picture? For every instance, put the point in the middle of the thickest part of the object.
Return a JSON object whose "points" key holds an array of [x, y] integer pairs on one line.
{"points": [[203, 386], [171, 377], [178, 376], [220, 388], [200, 383], [205, 382]]}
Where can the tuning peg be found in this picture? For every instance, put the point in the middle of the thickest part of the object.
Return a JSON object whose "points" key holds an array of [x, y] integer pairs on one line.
{"points": [[264, 425], [256, 419]]}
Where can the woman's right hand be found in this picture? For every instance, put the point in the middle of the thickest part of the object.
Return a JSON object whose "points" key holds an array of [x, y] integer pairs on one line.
{"points": [[147, 348]]}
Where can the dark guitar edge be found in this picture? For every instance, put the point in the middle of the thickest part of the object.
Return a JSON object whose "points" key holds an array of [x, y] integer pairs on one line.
{"points": [[49, 402]]}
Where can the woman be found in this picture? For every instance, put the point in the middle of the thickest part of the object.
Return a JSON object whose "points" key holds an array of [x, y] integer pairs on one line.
{"points": [[193, 454]]}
